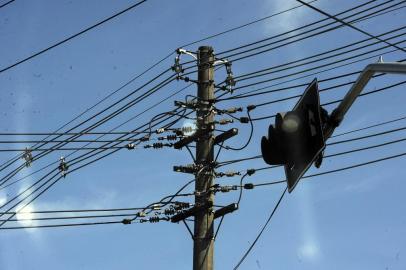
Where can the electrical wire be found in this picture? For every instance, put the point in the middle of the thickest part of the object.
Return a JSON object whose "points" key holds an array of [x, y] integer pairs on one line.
{"points": [[365, 17], [339, 100], [229, 162], [8, 163], [61, 225], [261, 231], [38, 188], [273, 69], [289, 32], [103, 120], [5, 4], [329, 64], [244, 25], [72, 36], [241, 189], [339, 169], [369, 127], [249, 138], [349, 25]]}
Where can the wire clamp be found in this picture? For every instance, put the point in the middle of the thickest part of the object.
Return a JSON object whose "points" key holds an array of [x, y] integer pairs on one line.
{"points": [[63, 166], [27, 156]]}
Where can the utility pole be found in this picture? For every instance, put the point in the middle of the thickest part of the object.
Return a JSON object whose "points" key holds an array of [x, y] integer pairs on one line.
{"points": [[203, 240]]}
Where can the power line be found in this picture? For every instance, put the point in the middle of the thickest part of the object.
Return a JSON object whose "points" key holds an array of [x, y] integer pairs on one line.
{"points": [[261, 231], [371, 126], [61, 225], [244, 25], [11, 161], [103, 120], [132, 118], [77, 210], [329, 64], [296, 29], [350, 25], [63, 149], [72, 36], [46, 188], [68, 133], [229, 162], [365, 17], [339, 100], [368, 136], [340, 169], [5, 4], [271, 70]]}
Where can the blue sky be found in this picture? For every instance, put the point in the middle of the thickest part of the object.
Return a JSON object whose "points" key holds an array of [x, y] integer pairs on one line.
{"points": [[347, 220]]}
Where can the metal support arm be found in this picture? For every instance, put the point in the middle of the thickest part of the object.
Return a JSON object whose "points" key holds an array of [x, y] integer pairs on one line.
{"points": [[338, 114]]}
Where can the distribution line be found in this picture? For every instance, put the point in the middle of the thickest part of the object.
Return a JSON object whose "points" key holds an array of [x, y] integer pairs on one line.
{"points": [[51, 164], [229, 162], [43, 191], [296, 29], [328, 89], [261, 231], [371, 126], [77, 211], [5, 4], [350, 25], [328, 65], [339, 100], [61, 225], [11, 161], [127, 121], [337, 170], [108, 117], [299, 39], [256, 185], [244, 25], [354, 20], [271, 70], [102, 121], [72, 36], [67, 133], [365, 17]]}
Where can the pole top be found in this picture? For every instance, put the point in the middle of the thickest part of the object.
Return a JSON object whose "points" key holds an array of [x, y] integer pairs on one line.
{"points": [[206, 48]]}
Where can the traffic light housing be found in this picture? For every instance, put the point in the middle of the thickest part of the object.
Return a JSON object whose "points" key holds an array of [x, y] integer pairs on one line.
{"points": [[296, 139]]}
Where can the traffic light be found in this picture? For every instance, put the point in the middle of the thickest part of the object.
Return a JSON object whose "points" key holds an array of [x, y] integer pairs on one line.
{"points": [[296, 139]]}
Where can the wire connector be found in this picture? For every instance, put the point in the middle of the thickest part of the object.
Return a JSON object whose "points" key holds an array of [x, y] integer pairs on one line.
{"points": [[27, 156], [63, 167], [177, 67], [230, 82]]}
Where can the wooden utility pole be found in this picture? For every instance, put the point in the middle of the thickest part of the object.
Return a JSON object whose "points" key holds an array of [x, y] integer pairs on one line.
{"points": [[203, 240]]}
